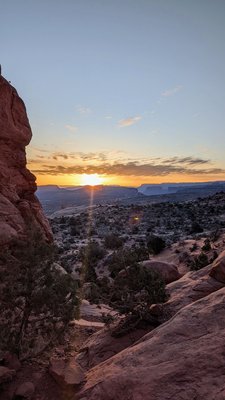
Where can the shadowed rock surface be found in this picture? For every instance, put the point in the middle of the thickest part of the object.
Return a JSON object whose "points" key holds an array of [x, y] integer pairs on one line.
{"points": [[218, 268], [182, 359], [167, 271], [101, 346], [19, 207], [191, 287]]}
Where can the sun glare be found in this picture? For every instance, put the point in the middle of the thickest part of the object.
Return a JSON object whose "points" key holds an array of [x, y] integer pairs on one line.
{"points": [[91, 180]]}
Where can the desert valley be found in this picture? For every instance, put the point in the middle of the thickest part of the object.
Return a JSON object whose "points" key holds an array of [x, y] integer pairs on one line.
{"points": [[113, 299], [112, 200]]}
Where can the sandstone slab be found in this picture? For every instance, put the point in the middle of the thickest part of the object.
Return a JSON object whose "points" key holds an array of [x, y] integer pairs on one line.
{"points": [[218, 268], [66, 373], [182, 359]]}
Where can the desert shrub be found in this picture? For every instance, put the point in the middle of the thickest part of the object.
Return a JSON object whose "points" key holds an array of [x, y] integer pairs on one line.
{"points": [[37, 301], [199, 262], [75, 230], [140, 252], [119, 260], [138, 285], [133, 294], [155, 244], [194, 247], [113, 241], [196, 228], [215, 234], [90, 255], [207, 245]]}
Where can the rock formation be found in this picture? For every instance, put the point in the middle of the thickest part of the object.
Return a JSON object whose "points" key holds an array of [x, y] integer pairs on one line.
{"points": [[218, 268], [167, 271], [182, 359], [19, 207]]}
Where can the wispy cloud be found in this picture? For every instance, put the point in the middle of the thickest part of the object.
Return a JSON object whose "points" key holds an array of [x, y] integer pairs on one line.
{"points": [[71, 128], [129, 121], [83, 110], [128, 169], [186, 161], [172, 91], [155, 167]]}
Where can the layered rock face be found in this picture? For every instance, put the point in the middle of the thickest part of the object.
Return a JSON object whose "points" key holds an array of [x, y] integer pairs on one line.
{"points": [[19, 207], [182, 359]]}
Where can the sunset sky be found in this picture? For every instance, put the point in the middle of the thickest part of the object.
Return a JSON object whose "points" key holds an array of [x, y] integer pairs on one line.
{"points": [[128, 91]]}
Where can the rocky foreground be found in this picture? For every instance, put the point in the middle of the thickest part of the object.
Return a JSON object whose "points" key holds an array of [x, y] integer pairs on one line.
{"points": [[181, 359]]}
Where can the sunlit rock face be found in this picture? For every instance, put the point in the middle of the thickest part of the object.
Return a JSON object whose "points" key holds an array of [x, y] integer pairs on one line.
{"points": [[19, 207]]}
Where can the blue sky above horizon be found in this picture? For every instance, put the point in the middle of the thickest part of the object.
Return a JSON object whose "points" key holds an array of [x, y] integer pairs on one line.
{"points": [[131, 90]]}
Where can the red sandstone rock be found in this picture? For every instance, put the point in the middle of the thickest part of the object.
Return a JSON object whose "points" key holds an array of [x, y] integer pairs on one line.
{"points": [[168, 271], [25, 390], [19, 206], [6, 374], [182, 359], [191, 287], [218, 268], [66, 374], [11, 361], [101, 346]]}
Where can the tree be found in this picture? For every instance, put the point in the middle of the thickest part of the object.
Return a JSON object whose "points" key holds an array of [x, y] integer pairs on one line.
{"points": [[135, 292], [90, 255], [37, 301], [113, 241], [199, 262], [155, 244]]}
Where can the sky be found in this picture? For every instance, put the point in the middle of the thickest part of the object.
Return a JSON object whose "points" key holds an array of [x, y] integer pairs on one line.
{"points": [[119, 91]]}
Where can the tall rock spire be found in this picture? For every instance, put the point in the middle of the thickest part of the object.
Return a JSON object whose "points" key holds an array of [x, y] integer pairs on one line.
{"points": [[19, 207]]}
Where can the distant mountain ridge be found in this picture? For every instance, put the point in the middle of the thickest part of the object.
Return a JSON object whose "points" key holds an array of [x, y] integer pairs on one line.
{"points": [[168, 188], [54, 198]]}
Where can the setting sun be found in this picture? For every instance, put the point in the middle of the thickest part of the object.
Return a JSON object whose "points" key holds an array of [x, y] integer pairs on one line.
{"points": [[92, 179]]}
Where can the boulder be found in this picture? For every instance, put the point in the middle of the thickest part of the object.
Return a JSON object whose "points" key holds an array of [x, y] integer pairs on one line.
{"points": [[66, 373], [194, 285], [6, 374], [182, 359], [19, 207], [218, 268], [11, 361], [25, 390], [168, 271]]}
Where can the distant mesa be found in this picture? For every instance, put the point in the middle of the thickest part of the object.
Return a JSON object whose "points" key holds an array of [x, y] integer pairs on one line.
{"points": [[171, 188]]}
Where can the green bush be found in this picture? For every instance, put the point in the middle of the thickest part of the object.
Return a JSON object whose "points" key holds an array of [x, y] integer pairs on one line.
{"points": [[90, 255], [207, 245], [133, 294], [37, 301], [139, 285], [155, 244], [113, 241], [199, 262]]}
